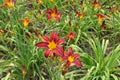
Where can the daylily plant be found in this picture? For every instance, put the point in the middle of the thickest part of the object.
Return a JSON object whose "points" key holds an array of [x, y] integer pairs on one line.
{"points": [[51, 44], [53, 13]]}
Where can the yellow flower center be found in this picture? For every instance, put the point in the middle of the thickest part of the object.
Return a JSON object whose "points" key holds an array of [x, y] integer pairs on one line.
{"points": [[81, 16], [71, 37], [71, 58], [100, 19], [53, 15], [52, 45], [26, 22]]}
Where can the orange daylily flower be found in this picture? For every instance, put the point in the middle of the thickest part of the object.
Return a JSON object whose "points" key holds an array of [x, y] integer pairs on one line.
{"points": [[39, 1], [80, 15], [26, 21], [71, 35], [9, 3], [100, 17], [96, 4]]}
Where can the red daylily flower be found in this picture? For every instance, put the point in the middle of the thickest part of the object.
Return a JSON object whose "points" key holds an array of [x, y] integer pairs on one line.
{"points": [[71, 35], [53, 13], [72, 57], [96, 4], [100, 17], [51, 44]]}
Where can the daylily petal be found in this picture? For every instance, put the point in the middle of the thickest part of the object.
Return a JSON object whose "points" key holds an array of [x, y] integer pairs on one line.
{"points": [[45, 38], [42, 44], [70, 51], [68, 63], [76, 56], [49, 11], [54, 36], [65, 56], [47, 52], [60, 41], [55, 9], [49, 17], [59, 51], [77, 63], [58, 16]]}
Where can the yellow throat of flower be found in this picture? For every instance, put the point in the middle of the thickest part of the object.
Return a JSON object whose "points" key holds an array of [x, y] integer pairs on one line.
{"points": [[52, 45], [25, 22], [53, 15], [71, 58], [81, 16], [71, 37], [100, 19]]}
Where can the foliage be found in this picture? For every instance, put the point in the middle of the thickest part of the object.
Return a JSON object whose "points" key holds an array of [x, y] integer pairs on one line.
{"points": [[59, 40]]}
